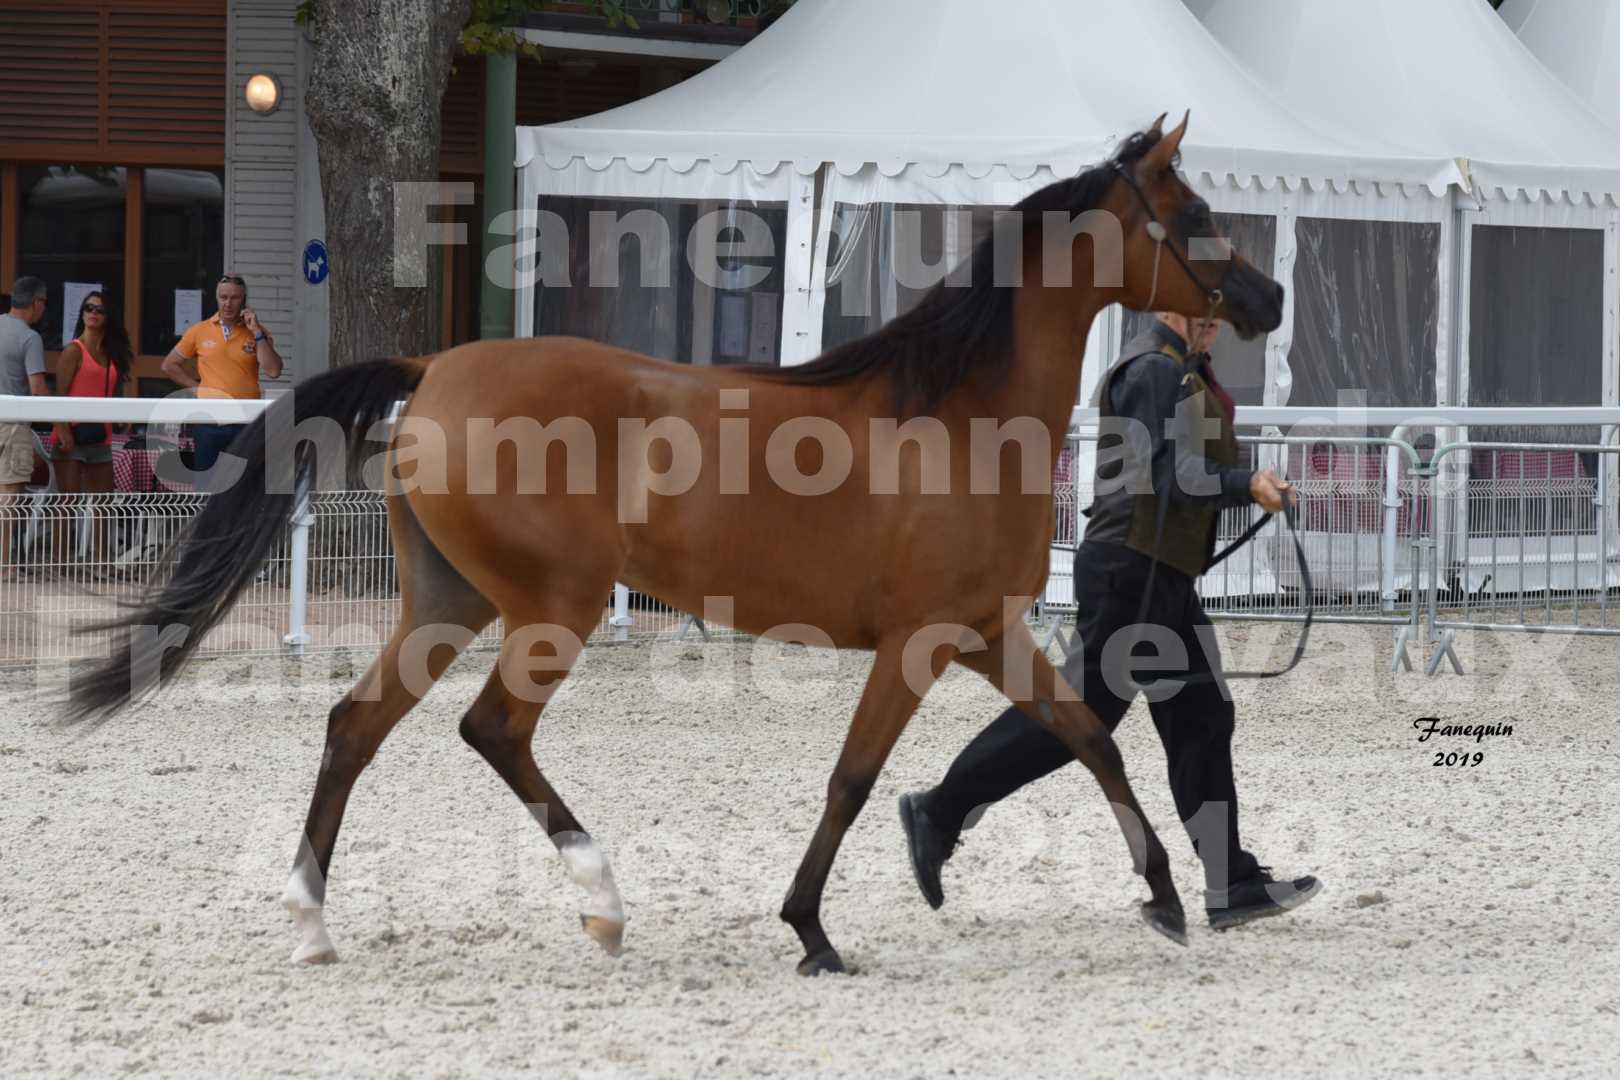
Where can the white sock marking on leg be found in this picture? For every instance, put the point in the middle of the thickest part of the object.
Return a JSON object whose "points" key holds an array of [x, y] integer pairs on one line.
{"points": [[589, 868], [308, 915]]}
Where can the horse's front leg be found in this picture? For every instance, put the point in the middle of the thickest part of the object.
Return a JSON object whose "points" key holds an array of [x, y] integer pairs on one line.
{"points": [[901, 674], [1015, 666]]}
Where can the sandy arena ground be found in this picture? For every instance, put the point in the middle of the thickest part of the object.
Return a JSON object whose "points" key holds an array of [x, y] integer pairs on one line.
{"points": [[1467, 925]]}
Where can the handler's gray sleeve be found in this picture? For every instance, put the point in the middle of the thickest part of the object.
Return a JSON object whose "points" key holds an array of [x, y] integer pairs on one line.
{"points": [[1147, 391]]}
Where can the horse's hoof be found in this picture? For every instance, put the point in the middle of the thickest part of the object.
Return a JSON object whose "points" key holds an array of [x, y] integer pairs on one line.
{"points": [[315, 952], [1170, 922], [605, 932], [825, 962]]}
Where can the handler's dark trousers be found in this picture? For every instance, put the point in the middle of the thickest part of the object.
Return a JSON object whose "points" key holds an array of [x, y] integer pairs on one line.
{"points": [[1195, 722]]}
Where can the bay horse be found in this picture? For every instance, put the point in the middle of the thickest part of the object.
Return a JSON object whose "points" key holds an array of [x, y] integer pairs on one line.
{"points": [[936, 569]]}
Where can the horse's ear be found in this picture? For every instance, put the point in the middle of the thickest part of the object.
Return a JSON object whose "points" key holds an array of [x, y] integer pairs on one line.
{"points": [[1158, 125], [1160, 158]]}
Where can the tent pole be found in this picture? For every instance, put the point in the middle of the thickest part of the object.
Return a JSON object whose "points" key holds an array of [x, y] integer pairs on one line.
{"points": [[495, 301], [1280, 340], [1611, 309], [806, 256]]}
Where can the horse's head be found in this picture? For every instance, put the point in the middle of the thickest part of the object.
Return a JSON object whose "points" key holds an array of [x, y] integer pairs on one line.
{"points": [[1175, 259]]}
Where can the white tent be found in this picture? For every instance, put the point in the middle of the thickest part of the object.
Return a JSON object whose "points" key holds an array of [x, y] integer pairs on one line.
{"points": [[844, 111], [1578, 40], [873, 139], [1535, 227], [1533, 236], [1374, 66], [926, 90], [1514, 13]]}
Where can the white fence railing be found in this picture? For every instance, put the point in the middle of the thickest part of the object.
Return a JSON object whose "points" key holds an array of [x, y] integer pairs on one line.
{"points": [[1393, 536], [328, 583]]}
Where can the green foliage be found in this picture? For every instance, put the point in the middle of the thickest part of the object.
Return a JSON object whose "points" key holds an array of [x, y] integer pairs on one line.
{"points": [[486, 30]]}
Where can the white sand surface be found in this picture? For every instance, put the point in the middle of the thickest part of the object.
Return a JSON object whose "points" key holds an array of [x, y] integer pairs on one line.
{"points": [[1467, 923]]}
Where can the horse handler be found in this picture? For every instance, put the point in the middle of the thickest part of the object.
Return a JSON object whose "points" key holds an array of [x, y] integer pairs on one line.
{"points": [[1162, 381]]}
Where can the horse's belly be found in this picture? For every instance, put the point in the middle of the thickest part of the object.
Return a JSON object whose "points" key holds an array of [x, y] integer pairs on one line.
{"points": [[847, 580], [742, 579]]}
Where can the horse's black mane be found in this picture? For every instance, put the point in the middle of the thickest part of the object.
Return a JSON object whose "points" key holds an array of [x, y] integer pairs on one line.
{"points": [[956, 331]]}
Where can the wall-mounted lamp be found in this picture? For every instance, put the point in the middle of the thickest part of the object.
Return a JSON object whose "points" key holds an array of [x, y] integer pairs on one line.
{"points": [[263, 94]]}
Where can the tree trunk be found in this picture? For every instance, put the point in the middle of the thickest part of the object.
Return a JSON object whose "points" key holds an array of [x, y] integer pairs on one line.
{"points": [[379, 72]]}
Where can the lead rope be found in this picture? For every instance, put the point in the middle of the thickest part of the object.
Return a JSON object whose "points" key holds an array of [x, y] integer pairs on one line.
{"points": [[1291, 515]]}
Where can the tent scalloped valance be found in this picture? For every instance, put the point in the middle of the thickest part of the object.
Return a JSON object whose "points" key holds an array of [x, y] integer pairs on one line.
{"points": [[978, 170], [1539, 193]]}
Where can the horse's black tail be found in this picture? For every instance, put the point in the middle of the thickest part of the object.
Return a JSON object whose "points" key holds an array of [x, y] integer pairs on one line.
{"points": [[219, 552]]}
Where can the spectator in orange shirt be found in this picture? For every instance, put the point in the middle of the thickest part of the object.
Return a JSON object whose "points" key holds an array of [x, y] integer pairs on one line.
{"points": [[223, 357]]}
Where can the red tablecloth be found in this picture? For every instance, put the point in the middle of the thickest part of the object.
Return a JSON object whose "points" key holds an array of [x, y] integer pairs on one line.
{"points": [[1549, 464], [1343, 489], [135, 468]]}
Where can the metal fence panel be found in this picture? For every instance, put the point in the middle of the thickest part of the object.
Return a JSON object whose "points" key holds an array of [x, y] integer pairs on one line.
{"points": [[1526, 539], [1359, 511], [1505, 536], [76, 560]]}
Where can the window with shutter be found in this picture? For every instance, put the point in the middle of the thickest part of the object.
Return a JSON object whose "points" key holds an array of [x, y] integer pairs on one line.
{"points": [[130, 82]]}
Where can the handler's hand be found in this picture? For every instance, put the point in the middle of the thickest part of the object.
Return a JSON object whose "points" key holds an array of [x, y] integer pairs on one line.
{"points": [[1269, 490]]}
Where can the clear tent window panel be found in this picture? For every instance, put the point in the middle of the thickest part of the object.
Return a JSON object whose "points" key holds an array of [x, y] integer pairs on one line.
{"points": [[1535, 324], [883, 258], [694, 281], [1535, 338], [1366, 313], [1239, 364]]}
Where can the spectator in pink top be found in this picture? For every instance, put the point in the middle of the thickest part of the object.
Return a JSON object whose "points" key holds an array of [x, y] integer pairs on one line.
{"points": [[96, 363]]}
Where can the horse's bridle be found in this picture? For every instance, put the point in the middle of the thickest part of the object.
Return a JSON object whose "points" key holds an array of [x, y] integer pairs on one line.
{"points": [[1160, 236]]}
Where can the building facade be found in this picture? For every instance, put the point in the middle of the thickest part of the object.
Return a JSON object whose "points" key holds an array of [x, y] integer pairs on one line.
{"points": [[131, 161]]}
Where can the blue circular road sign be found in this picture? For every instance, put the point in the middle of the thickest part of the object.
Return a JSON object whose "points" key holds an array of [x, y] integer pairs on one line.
{"points": [[315, 262]]}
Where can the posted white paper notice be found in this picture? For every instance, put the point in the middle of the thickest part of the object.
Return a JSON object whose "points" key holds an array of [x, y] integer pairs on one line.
{"points": [[187, 309], [73, 294]]}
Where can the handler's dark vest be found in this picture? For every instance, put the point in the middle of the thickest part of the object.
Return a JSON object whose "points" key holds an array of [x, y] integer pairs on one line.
{"points": [[1122, 517]]}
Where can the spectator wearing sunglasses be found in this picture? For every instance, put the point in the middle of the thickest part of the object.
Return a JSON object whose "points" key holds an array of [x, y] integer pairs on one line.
{"points": [[223, 357], [97, 363]]}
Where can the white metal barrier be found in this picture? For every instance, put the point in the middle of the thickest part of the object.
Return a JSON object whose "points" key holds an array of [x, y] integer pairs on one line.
{"points": [[1360, 515], [1527, 539], [328, 583], [1380, 526]]}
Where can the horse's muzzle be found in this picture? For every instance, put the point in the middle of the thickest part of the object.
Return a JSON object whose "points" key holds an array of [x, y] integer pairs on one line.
{"points": [[1253, 301]]}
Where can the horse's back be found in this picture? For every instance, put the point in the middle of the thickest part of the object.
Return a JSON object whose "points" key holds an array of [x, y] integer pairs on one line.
{"points": [[686, 509]]}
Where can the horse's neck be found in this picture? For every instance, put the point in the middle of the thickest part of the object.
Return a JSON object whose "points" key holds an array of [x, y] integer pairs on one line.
{"points": [[1050, 327]]}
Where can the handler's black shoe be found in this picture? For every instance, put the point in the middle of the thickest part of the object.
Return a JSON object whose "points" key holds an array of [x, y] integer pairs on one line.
{"points": [[1257, 897], [930, 846]]}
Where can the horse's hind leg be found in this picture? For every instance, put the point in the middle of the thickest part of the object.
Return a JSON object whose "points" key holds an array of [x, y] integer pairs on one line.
{"points": [[356, 727], [539, 650], [441, 614], [1016, 666], [893, 690]]}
